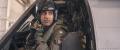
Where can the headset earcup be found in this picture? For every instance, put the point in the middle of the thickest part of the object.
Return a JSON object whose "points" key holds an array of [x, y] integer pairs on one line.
{"points": [[56, 15]]}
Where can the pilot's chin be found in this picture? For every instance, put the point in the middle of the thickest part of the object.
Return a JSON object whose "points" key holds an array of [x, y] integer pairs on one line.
{"points": [[47, 24]]}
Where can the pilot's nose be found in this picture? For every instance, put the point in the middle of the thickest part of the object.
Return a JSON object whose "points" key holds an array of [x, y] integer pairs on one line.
{"points": [[46, 16]]}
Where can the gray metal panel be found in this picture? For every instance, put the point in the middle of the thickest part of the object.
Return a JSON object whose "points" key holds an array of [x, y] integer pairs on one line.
{"points": [[106, 17]]}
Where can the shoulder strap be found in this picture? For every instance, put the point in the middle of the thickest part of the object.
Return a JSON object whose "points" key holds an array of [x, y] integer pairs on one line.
{"points": [[49, 33]]}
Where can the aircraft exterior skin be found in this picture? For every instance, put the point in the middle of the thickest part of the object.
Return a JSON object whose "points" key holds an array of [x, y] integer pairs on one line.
{"points": [[106, 23]]}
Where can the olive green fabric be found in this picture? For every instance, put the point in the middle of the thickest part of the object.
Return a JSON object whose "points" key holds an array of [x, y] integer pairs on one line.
{"points": [[59, 31]]}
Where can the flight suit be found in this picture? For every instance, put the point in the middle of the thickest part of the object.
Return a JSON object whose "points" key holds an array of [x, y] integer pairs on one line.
{"points": [[54, 41]]}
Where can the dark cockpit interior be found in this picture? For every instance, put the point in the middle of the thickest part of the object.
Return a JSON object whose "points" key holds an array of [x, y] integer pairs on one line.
{"points": [[75, 14]]}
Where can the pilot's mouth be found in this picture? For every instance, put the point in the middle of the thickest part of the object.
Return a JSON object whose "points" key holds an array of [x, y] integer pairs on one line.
{"points": [[46, 21]]}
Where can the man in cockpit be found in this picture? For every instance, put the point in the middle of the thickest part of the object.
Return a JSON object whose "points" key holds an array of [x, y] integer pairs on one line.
{"points": [[48, 30]]}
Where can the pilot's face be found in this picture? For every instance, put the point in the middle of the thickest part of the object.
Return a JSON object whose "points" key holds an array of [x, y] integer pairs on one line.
{"points": [[46, 18]]}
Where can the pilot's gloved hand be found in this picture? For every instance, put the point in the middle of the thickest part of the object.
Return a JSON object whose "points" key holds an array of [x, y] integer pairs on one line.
{"points": [[36, 26]]}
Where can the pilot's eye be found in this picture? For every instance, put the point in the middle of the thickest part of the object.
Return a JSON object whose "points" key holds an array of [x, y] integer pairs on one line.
{"points": [[50, 12], [43, 13], [47, 13]]}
